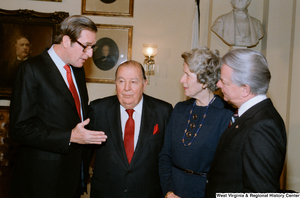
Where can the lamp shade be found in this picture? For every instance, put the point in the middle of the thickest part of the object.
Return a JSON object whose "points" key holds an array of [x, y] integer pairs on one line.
{"points": [[149, 49]]}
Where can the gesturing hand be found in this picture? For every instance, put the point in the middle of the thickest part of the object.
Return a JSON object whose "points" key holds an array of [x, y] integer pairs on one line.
{"points": [[171, 195], [81, 135]]}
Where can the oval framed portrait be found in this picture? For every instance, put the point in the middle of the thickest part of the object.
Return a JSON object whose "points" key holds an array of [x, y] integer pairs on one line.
{"points": [[107, 54], [108, 1]]}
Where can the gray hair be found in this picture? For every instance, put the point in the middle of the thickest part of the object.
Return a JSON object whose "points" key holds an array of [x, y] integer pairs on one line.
{"points": [[250, 67], [205, 64], [130, 63], [72, 27]]}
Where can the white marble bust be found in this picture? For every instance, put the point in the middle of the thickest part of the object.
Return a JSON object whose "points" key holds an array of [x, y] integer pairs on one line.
{"points": [[238, 28]]}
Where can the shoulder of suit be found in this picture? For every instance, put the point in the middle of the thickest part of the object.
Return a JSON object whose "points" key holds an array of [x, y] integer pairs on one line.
{"points": [[38, 59], [156, 101], [105, 101], [262, 110]]}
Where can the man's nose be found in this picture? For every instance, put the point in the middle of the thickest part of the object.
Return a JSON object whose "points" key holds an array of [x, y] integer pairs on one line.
{"points": [[127, 86], [89, 52], [219, 84]]}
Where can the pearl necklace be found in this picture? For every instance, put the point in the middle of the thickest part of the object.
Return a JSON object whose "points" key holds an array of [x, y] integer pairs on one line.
{"points": [[200, 126]]}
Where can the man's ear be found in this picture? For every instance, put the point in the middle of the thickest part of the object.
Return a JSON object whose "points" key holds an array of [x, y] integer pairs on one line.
{"points": [[145, 84], [66, 41], [246, 90]]}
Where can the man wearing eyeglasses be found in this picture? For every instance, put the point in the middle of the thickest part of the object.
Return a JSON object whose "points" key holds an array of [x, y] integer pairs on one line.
{"points": [[48, 115]]}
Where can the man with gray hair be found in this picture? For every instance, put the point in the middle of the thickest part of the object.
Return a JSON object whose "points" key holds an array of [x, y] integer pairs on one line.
{"points": [[251, 152], [126, 166]]}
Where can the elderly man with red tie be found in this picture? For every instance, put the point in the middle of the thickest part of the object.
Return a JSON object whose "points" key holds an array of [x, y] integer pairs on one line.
{"points": [[126, 165]]}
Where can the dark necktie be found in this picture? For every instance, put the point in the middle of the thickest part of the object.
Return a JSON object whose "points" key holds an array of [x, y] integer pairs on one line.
{"points": [[129, 136], [73, 89], [234, 117]]}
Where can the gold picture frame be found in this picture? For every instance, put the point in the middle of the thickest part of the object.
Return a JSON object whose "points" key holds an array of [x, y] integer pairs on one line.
{"points": [[121, 8], [49, 0], [114, 47], [37, 27]]}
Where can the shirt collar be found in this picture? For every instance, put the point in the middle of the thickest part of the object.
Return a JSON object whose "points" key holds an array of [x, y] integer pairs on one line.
{"points": [[137, 108], [250, 103], [23, 59], [56, 59]]}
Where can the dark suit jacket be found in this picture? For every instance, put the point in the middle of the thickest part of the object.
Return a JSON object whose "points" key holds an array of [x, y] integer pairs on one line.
{"points": [[113, 176], [42, 115], [250, 154]]}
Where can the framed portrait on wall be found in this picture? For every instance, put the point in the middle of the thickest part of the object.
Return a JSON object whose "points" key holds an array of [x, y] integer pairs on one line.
{"points": [[48, 0], [114, 44], [23, 34], [121, 8]]}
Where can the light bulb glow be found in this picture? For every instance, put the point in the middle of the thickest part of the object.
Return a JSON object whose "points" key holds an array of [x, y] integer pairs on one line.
{"points": [[149, 51]]}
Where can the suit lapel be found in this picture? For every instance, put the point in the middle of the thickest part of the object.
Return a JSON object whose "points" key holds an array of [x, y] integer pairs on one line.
{"points": [[146, 129], [81, 85], [114, 121], [57, 80]]}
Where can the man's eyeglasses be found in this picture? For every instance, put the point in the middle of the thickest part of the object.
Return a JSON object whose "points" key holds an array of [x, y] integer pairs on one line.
{"points": [[87, 47]]}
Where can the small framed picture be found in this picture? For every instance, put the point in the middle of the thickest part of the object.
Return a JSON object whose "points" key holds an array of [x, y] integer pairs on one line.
{"points": [[121, 8], [114, 47]]}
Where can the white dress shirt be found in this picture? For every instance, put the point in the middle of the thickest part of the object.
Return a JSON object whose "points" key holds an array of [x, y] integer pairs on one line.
{"points": [[137, 117]]}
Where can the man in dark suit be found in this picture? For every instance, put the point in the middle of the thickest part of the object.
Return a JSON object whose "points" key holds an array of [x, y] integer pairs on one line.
{"points": [[48, 121], [251, 152], [121, 170]]}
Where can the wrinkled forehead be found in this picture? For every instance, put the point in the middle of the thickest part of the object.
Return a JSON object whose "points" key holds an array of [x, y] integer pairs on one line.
{"points": [[22, 40], [134, 71], [133, 64]]}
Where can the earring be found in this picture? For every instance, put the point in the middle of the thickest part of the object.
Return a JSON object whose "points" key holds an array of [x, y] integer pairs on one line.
{"points": [[204, 86]]}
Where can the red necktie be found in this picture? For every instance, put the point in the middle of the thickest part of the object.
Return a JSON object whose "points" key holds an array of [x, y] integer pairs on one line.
{"points": [[129, 135], [73, 89]]}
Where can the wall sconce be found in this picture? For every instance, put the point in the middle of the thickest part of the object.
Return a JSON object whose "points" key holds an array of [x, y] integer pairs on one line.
{"points": [[149, 51]]}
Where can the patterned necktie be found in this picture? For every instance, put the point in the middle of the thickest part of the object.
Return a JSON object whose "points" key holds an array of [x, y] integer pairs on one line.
{"points": [[235, 115], [233, 118], [73, 89], [129, 136]]}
